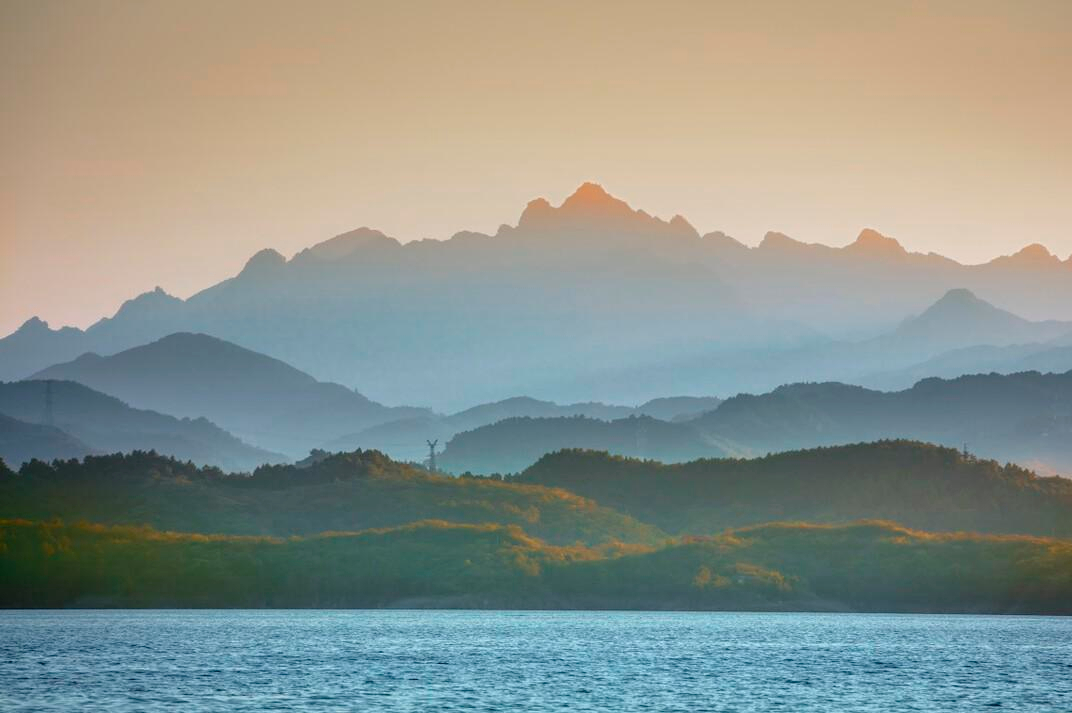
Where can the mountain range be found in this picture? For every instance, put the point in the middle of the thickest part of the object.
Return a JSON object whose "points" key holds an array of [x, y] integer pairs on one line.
{"points": [[87, 421], [272, 405], [259, 399], [406, 438], [587, 301], [1024, 418], [280, 409]]}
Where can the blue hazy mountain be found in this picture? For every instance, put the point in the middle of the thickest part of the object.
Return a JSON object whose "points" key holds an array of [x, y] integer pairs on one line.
{"points": [[260, 399], [1024, 418], [513, 444], [958, 320], [406, 438], [21, 442], [105, 424], [590, 300]]}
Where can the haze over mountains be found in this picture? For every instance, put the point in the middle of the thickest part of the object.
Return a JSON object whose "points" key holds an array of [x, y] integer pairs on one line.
{"points": [[273, 405], [87, 421], [276, 407], [1024, 418], [588, 301], [406, 438], [260, 399]]}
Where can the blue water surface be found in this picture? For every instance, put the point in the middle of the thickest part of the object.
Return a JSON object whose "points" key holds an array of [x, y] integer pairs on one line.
{"points": [[530, 661]]}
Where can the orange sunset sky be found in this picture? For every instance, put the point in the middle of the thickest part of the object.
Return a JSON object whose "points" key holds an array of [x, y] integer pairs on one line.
{"points": [[162, 143]]}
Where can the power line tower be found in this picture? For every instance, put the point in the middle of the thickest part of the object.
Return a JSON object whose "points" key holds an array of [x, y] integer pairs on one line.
{"points": [[431, 455], [50, 417]]}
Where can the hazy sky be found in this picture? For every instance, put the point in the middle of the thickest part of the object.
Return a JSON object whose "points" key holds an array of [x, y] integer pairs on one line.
{"points": [[162, 143]]}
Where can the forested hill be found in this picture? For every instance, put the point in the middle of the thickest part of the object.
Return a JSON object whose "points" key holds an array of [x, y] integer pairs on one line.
{"points": [[920, 485], [351, 491], [870, 566]]}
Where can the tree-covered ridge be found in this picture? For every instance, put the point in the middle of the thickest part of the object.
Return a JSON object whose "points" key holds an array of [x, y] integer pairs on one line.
{"points": [[867, 566], [921, 485], [348, 491]]}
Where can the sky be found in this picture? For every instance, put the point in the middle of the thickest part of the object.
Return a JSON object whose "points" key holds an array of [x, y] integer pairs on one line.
{"points": [[163, 143]]}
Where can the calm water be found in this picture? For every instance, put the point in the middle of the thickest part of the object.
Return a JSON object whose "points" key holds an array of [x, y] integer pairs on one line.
{"points": [[530, 661]]}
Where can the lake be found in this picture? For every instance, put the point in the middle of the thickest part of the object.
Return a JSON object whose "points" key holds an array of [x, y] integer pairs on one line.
{"points": [[530, 661]]}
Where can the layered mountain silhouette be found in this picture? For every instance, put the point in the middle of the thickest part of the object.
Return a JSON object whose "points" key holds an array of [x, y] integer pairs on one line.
{"points": [[21, 442], [897, 358], [89, 421], [406, 438], [590, 300], [1024, 418], [260, 399], [513, 444]]}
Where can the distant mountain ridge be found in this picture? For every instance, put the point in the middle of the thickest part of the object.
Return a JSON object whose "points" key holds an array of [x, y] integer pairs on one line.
{"points": [[1024, 418], [561, 305], [406, 438], [102, 423], [513, 444], [21, 442], [258, 398]]}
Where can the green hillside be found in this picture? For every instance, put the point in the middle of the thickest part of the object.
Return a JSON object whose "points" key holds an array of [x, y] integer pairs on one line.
{"points": [[869, 566], [923, 486], [352, 491]]}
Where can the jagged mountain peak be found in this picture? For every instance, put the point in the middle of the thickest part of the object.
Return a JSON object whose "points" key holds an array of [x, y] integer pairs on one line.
{"points": [[264, 260], [774, 240], [960, 309], [33, 324], [873, 242], [347, 244], [1029, 257], [722, 240], [147, 303], [589, 193], [591, 208]]}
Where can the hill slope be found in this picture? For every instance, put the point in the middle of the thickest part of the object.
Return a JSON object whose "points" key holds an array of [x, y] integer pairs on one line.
{"points": [[21, 442], [512, 445], [1026, 417], [256, 397], [406, 438], [341, 492], [879, 567], [921, 485], [106, 424]]}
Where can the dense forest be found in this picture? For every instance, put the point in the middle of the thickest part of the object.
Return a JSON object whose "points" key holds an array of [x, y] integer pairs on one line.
{"points": [[579, 529], [351, 491], [917, 484], [868, 566]]}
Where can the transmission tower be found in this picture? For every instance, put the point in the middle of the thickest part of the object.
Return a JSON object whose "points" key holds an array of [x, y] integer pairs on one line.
{"points": [[431, 455]]}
